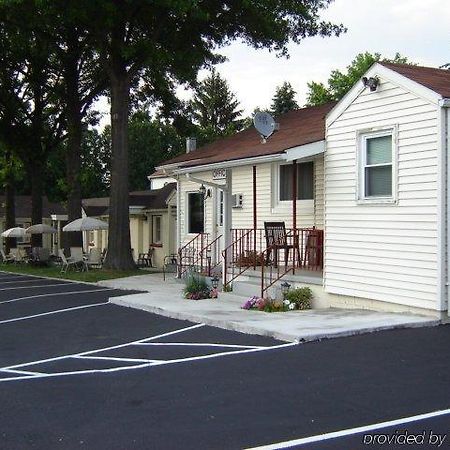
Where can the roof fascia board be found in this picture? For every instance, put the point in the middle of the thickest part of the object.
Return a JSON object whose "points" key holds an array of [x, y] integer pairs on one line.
{"points": [[305, 151], [230, 164], [386, 74]]}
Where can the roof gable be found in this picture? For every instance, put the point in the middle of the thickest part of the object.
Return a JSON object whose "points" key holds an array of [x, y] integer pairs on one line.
{"points": [[402, 76]]}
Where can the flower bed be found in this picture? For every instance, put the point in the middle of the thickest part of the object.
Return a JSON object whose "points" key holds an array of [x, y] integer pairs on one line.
{"points": [[197, 288], [295, 299]]}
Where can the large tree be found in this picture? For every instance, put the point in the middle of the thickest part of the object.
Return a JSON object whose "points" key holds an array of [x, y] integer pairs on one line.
{"points": [[283, 100], [339, 83], [165, 43], [31, 115], [214, 107]]}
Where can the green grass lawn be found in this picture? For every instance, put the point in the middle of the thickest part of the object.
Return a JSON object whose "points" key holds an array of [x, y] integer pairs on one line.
{"points": [[54, 272]]}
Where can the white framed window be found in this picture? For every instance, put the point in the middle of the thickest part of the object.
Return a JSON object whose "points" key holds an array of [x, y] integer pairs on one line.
{"points": [[305, 181], [195, 212], [157, 229], [377, 167]]}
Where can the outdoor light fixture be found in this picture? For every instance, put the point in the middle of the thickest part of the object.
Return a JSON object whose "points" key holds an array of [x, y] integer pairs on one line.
{"points": [[372, 83], [215, 281], [205, 192], [285, 286]]}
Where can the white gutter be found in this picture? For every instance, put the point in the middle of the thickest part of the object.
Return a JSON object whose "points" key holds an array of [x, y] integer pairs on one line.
{"points": [[230, 164], [305, 151], [444, 205]]}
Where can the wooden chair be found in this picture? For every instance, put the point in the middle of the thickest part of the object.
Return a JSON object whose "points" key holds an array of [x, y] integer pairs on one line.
{"points": [[277, 239], [146, 259], [313, 249]]}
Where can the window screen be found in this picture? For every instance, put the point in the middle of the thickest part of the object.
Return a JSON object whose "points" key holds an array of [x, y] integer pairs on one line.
{"points": [[305, 181]]}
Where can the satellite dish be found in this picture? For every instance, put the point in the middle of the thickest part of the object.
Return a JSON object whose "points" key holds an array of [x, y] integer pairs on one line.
{"points": [[264, 123]]}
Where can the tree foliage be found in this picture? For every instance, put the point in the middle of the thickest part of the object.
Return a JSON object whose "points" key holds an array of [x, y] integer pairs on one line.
{"points": [[214, 107], [339, 83], [283, 100]]}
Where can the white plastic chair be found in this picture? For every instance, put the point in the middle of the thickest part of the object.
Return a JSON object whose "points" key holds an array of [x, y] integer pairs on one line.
{"points": [[94, 259], [6, 258], [66, 263]]}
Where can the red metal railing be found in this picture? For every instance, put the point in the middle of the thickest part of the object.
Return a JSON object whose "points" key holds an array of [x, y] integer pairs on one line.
{"points": [[242, 241], [211, 254], [305, 248], [190, 256]]}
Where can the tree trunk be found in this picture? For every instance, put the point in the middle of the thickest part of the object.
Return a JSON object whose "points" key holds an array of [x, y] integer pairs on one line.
{"points": [[36, 173], [74, 132], [73, 165], [10, 207], [119, 254]]}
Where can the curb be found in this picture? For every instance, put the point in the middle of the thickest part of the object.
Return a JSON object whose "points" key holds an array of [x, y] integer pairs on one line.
{"points": [[236, 326]]}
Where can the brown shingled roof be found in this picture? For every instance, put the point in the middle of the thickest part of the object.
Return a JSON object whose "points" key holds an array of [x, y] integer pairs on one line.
{"points": [[23, 207], [155, 199], [437, 80], [298, 127]]}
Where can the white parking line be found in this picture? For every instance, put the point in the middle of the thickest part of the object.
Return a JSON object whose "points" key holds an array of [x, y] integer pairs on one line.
{"points": [[195, 344], [16, 319], [104, 349], [145, 363], [216, 355], [56, 293], [21, 372], [30, 287], [112, 358], [351, 431]]}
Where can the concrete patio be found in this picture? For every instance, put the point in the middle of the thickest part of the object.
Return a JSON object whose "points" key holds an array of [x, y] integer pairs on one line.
{"points": [[165, 298]]}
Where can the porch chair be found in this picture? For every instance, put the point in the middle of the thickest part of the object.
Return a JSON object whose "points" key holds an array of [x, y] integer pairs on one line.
{"points": [[66, 263], [94, 259], [146, 259], [313, 249], [277, 239], [6, 258]]}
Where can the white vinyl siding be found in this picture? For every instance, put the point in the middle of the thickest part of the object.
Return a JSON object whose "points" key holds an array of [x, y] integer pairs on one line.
{"points": [[384, 252], [309, 212]]}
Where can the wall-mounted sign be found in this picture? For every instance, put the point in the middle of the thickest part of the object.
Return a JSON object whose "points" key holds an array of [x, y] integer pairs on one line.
{"points": [[219, 174]]}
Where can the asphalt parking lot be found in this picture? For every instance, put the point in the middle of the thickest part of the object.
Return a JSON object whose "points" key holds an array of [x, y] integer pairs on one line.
{"points": [[79, 372]]}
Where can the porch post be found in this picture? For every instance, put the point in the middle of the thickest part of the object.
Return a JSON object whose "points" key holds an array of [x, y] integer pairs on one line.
{"points": [[178, 238], [255, 221], [227, 222], [294, 211]]}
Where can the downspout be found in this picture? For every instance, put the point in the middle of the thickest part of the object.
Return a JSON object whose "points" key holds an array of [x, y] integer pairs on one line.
{"points": [[444, 125]]}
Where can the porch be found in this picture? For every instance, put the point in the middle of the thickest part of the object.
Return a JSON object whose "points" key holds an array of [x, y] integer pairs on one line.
{"points": [[296, 255]]}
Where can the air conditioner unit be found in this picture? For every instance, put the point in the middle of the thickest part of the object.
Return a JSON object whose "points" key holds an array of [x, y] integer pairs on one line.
{"points": [[236, 201]]}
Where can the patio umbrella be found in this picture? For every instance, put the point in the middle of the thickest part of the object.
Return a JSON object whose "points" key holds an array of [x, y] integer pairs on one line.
{"points": [[41, 228], [86, 224], [15, 232]]}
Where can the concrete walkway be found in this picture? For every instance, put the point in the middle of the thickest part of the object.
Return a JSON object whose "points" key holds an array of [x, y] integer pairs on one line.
{"points": [[165, 298]]}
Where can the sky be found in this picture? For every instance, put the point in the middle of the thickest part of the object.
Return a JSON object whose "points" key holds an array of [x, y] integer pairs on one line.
{"points": [[417, 29]]}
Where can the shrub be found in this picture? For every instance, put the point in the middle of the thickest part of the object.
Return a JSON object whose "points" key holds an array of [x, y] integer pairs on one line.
{"points": [[196, 288], [300, 297], [295, 299]]}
